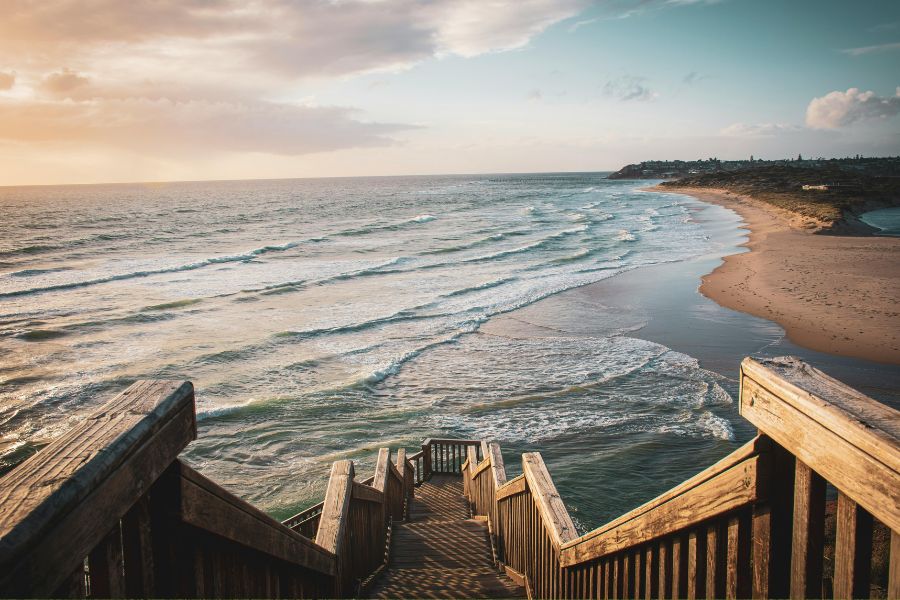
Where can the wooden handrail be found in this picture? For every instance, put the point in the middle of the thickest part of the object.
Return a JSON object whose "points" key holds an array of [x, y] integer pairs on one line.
{"points": [[209, 507], [726, 532], [844, 436], [56, 506]]}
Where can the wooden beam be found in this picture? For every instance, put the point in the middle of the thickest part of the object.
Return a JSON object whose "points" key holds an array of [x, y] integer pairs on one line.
{"points": [[849, 439], [56, 506], [737, 487], [337, 505], [807, 546], [381, 469], [553, 512], [499, 469], [207, 506], [366, 493], [852, 549], [514, 486]]}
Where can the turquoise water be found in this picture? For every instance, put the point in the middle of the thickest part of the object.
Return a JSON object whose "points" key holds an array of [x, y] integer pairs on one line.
{"points": [[321, 319], [886, 219]]}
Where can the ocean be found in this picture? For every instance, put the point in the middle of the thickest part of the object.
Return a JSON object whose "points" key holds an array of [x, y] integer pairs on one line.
{"points": [[320, 319]]}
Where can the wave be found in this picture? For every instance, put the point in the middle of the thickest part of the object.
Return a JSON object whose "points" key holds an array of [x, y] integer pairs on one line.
{"points": [[373, 228], [481, 286], [216, 260], [529, 247], [45, 248], [497, 237], [36, 272]]}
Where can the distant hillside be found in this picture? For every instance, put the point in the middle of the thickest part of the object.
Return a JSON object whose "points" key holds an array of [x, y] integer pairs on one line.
{"points": [[677, 169], [841, 196]]}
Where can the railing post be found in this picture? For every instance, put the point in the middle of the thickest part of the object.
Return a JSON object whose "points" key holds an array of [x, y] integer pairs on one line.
{"points": [[773, 524], [426, 460], [333, 526]]}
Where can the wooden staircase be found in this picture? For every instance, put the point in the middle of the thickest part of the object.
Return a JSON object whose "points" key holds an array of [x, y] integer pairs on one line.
{"points": [[441, 551], [109, 511]]}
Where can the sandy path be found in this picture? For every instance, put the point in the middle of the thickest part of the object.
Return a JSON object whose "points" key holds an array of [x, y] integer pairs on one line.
{"points": [[833, 294]]}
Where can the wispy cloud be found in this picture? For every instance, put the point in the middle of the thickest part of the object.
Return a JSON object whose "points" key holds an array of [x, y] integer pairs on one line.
{"points": [[839, 109], [877, 49], [758, 130], [694, 77], [628, 88], [535, 95], [7, 80]]}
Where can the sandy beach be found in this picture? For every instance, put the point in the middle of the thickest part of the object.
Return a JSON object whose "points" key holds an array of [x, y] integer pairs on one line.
{"points": [[833, 294]]}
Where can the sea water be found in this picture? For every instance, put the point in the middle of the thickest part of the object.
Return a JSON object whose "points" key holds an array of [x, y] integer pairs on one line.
{"points": [[321, 319]]}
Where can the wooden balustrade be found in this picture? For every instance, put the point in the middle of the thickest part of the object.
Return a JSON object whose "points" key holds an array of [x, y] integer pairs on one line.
{"points": [[108, 510], [752, 525], [445, 456]]}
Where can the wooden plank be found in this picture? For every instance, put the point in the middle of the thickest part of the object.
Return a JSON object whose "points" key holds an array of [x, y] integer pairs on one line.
{"points": [[736, 487], [664, 582], [748, 450], [337, 504], [716, 557], [105, 566], [738, 575], [514, 486], [852, 549], [138, 551], [207, 506], [367, 493], [864, 422], [807, 546], [497, 466], [679, 567], [696, 565], [848, 439], [556, 518], [381, 469], [57, 505], [893, 591]]}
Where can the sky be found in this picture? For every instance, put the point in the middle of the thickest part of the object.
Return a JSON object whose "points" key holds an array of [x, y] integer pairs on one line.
{"points": [[160, 90]]}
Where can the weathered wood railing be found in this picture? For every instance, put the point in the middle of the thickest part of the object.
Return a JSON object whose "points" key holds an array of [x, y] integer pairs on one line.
{"points": [[109, 511], [753, 524]]}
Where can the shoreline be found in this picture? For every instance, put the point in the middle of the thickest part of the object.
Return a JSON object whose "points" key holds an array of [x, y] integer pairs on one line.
{"points": [[830, 293]]}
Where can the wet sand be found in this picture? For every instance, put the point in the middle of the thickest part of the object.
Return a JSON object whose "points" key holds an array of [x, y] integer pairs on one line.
{"points": [[833, 294]]}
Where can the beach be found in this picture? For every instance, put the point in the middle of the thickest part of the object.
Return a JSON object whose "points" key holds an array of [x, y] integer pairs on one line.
{"points": [[833, 294]]}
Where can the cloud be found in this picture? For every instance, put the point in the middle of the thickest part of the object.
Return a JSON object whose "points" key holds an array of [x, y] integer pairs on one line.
{"points": [[165, 126], [872, 49], [7, 80], [535, 95], [64, 82], [838, 109], [757, 130], [694, 77], [627, 88]]}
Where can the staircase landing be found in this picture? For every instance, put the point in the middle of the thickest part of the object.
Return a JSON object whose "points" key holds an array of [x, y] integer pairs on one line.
{"points": [[442, 552]]}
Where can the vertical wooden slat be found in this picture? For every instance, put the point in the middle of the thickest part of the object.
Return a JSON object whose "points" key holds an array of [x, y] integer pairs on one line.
{"points": [[137, 546], [807, 547], [651, 581], [637, 574], [852, 549], [773, 524], [893, 591], [679, 567], [627, 581], [72, 586], [715, 560], [664, 587], [105, 567], [696, 565]]}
